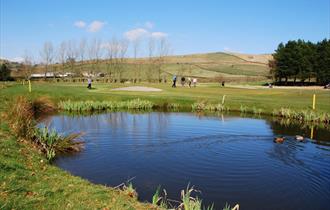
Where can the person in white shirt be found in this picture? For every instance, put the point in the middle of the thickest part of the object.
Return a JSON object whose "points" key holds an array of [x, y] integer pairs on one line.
{"points": [[194, 82]]}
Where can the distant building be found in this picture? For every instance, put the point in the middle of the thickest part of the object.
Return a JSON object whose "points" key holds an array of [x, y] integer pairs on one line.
{"points": [[67, 74], [51, 75], [38, 76]]}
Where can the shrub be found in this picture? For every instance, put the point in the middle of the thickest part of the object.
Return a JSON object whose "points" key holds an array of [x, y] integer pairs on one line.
{"points": [[52, 143], [20, 117]]}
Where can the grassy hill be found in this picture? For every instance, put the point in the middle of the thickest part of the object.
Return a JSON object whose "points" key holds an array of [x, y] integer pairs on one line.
{"points": [[208, 67]]}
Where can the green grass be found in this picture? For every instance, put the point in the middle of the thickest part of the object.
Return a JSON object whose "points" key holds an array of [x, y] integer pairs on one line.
{"points": [[265, 99], [83, 106]]}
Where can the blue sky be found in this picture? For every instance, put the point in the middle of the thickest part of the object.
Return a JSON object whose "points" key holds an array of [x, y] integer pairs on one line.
{"points": [[190, 26]]}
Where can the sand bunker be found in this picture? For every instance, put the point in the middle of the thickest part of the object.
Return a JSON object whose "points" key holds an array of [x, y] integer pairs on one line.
{"points": [[138, 88]]}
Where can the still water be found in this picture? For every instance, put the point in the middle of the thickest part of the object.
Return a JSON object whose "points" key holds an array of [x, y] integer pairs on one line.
{"points": [[230, 159]]}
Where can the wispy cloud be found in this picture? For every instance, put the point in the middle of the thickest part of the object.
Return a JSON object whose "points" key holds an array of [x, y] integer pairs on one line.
{"points": [[158, 35], [16, 59], [80, 24], [93, 27], [96, 26], [149, 25], [135, 34]]}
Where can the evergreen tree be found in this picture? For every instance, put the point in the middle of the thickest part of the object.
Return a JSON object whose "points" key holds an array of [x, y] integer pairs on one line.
{"points": [[302, 60], [4, 72], [322, 64]]}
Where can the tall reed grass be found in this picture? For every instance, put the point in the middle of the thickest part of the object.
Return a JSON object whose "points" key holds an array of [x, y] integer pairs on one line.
{"points": [[53, 143], [302, 115], [22, 117], [202, 106], [81, 106], [306, 116]]}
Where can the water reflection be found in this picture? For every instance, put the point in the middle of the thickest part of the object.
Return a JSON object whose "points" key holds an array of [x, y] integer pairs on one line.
{"points": [[229, 158]]}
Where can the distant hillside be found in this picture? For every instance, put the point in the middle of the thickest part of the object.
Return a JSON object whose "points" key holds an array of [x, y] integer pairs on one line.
{"points": [[209, 66], [260, 58]]}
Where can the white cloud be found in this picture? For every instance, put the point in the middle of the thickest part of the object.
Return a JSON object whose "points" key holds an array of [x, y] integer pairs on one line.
{"points": [[230, 50], [135, 34], [159, 35], [95, 26], [149, 24], [226, 49], [80, 24], [16, 59]]}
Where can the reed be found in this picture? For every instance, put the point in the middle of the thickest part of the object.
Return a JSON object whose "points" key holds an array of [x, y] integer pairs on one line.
{"points": [[156, 198], [82, 106], [20, 117], [201, 106], [256, 111], [130, 191], [243, 109], [52, 143], [188, 202], [302, 115]]}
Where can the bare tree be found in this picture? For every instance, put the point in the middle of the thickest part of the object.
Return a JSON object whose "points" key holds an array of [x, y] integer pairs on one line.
{"points": [[111, 54], [27, 64], [163, 51], [47, 55], [62, 53], [122, 49], [82, 52], [71, 54], [151, 47], [95, 52], [136, 48]]}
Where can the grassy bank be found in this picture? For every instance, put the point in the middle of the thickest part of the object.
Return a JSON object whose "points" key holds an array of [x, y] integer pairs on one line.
{"points": [[27, 181]]}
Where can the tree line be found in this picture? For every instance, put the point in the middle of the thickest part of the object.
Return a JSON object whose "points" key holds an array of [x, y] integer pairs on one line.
{"points": [[303, 61], [74, 56]]}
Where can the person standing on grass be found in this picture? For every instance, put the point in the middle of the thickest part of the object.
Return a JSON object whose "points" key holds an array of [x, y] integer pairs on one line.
{"points": [[183, 81], [189, 82], [194, 82], [89, 81], [174, 81]]}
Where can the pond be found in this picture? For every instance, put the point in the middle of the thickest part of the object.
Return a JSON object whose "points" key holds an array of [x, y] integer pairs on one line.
{"points": [[230, 159]]}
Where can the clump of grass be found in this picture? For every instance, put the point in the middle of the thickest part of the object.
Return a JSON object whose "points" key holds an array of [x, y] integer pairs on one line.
{"points": [[303, 115], [256, 111], [130, 191], [159, 200], [156, 197], [53, 143], [138, 104], [201, 106], [227, 207], [82, 106], [198, 106], [243, 108], [42, 105], [20, 117], [173, 106], [189, 202], [23, 112]]}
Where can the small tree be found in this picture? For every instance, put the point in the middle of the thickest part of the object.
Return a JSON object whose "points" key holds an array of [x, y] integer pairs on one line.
{"points": [[163, 51], [47, 54], [4, 72], [27, 64]]}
